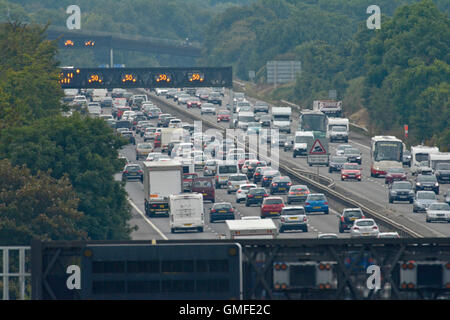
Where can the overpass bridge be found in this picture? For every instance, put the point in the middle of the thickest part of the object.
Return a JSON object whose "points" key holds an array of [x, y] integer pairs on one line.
{"points": [[76, 39]]}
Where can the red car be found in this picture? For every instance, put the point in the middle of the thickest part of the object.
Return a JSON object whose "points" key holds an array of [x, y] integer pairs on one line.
{"points": [[395, 174], [223, 115], [188, 178], [157, 141], [350, 171], [204, 186], [193, 103], [271, 207]]}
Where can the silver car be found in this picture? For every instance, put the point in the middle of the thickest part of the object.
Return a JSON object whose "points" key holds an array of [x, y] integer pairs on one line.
{"points": [[208, 108], [234, 181], [438, 212], [423, 200], [364, 228], [293, 218], [241, 193]]}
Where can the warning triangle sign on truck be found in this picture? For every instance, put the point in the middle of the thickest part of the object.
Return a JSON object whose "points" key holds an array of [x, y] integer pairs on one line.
{"points": [[317, 148]]}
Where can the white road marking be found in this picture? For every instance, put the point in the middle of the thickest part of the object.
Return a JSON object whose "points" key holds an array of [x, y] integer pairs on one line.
{"points": [[147, 219]]}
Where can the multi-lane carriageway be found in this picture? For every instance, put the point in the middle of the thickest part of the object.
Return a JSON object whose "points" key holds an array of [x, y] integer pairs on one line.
{"points": [[371, 192]]}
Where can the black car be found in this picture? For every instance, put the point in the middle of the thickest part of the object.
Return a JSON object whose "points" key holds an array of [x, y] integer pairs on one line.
{"points": [[280, 184], [215, 98], [427, 182], [401, 191], [336, 163], [348, 217], [132, 171], [353, 155], [255, 196], [129, 135], [268, 176], [221, 211], [442, 172], [406, 158]]}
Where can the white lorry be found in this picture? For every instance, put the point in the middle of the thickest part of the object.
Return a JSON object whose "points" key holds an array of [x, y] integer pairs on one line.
{"points": [[161, 180], [251, 228], [331, 108], [338, 129], [281, 118], [420, 154], [170, 134], [186, 212]]}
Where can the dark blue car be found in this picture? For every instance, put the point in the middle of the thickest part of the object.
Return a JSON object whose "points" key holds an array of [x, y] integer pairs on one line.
{"points": [[316, 202]]}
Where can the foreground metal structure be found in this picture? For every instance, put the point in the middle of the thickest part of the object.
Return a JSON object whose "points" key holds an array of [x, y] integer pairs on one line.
{"points": [[347, 261]]}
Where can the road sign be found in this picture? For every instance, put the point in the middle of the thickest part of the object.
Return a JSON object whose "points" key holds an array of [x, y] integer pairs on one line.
{"points": [[317, 148]]}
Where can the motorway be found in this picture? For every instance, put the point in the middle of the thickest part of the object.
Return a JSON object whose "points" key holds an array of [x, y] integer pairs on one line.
{"points": [[372, 190]]}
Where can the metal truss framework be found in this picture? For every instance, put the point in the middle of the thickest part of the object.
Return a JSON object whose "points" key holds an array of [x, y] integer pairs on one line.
{"points": [[49, 261]]}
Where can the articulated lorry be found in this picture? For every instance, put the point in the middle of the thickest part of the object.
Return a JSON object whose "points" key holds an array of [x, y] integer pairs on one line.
{"points": [[161, 180], [331, 108]]}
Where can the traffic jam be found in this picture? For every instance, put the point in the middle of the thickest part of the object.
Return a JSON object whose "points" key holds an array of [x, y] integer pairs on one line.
{"points": [[201, 181]]}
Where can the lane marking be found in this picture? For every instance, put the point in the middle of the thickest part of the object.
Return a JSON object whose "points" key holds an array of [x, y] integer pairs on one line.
{"points": [[147, 220]]}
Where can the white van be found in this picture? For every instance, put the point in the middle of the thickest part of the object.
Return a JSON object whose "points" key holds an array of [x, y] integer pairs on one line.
{"points": [[224, 169], [302, 141], [186, 212], [419, 154], [244, 118]]}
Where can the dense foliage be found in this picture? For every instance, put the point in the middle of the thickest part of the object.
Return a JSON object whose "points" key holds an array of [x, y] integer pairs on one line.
{"points": [[399, 74], [36, 206], [78, 154]]}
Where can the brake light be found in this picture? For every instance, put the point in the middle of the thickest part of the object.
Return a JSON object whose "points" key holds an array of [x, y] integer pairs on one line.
{"points": [[229, 183], [239, 191], [304, 219], [289, 184], [326, 203], [213, 210], [250, 196], [291, 192], [307, 203], [342, 219], [355, 228], [231, 210], [266, 195], [140, 171], [126, 171], [374, 227], [265, 178], [274, 184], [282, 219]]}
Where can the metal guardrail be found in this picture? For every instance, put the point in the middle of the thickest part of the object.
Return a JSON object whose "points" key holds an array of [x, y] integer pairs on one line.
{"points": [[402, 230], [6, 274]]}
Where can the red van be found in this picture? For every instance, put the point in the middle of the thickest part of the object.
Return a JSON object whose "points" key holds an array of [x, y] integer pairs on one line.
{"points": [[205, 186]]}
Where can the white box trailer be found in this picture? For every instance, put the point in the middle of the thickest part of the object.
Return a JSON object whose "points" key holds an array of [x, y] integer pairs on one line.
{"points": [[171, 134], [441, 157], [419, 154], [186, 212], [281, 118], [254, 228], [331, 108], [161, 180]]}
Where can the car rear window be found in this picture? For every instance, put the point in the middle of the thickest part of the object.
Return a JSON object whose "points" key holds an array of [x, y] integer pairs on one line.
{"points": [[220, 206], [257, 191], [402, 185], [202, 184], [247, 187], [133, 168], [292, 212], [226, 169], [273, 201], [190, 176]]}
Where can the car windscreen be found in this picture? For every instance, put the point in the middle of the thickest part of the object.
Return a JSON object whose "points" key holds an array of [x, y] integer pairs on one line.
{"points": [[426, 179], [350, 167], [226, 169], [339, 129], [273, 201], [402, 185], [238, 178], [426, 195], [443, 166], [439, 206], [293, 211]]}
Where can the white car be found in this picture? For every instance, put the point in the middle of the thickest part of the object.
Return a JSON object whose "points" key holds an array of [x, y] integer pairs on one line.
{"points": [[341, 148], [241, 193], [439, 211], [175, 123], [364, 228], [208, 108]]}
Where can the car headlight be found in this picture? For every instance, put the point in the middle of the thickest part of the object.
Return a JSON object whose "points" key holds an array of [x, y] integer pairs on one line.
{"points": [[394, 192], [436, 184], [418, 184]]}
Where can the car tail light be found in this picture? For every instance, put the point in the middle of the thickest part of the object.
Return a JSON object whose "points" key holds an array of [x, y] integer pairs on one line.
{"points": [[355, 228], [374, 227], [140, 171], [229, 183], [307, 203], [291, 192], [342, 219], [213, 210], [231, 210], [265, 178], [326, 203], [239, 191], [305, 219], [126, 171], [289, 184], [274, 184], [266, 195], [250, 196], [257, 174]]}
